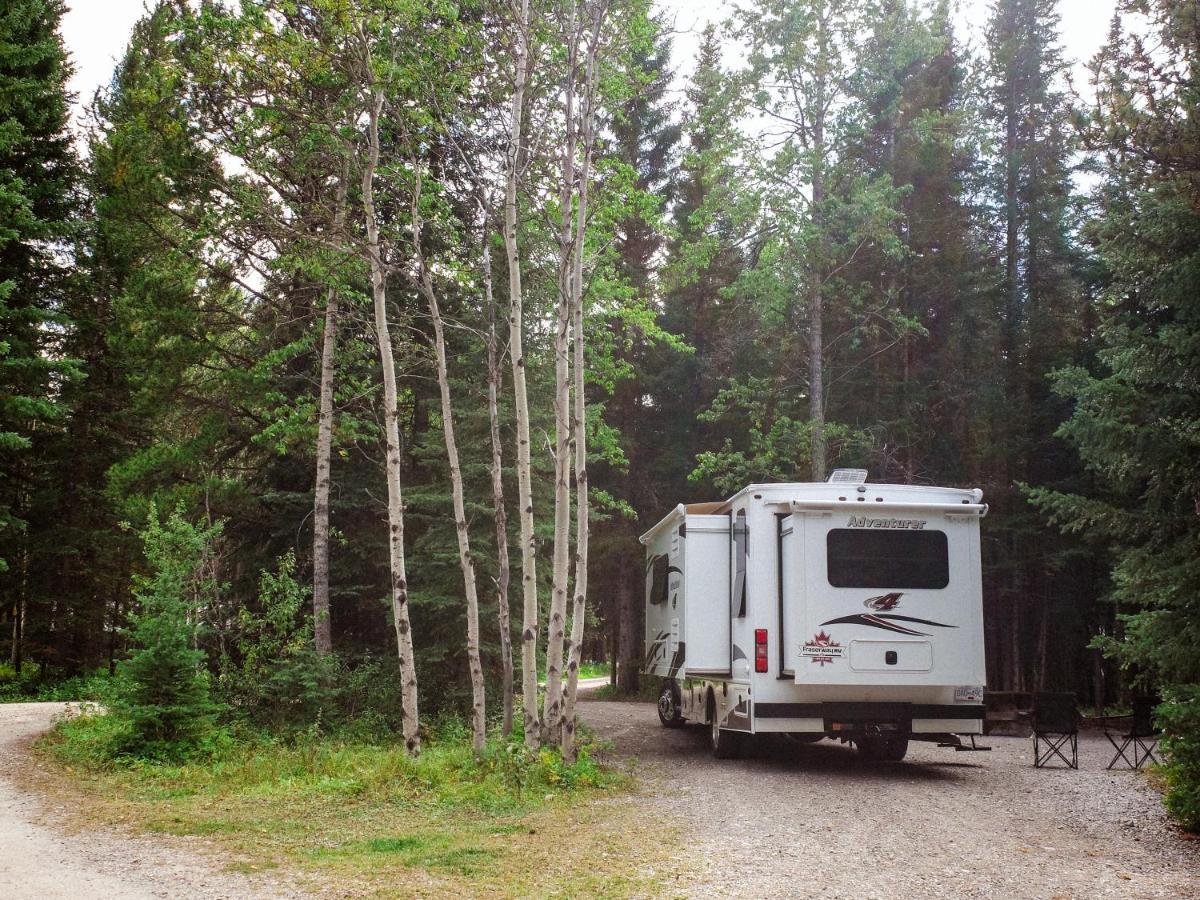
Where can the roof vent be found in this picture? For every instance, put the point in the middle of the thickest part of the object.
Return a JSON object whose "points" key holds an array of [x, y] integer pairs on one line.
{"points": [[848, 476]]}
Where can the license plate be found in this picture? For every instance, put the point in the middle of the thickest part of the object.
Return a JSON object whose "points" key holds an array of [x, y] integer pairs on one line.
{"points": [[968, 693]]}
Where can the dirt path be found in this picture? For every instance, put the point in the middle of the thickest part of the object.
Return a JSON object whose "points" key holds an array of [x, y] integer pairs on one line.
{"points": [[815, 821], [40, 862]]}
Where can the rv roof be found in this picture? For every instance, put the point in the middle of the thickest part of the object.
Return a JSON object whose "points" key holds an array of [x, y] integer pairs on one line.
{"points": [[821, 490]]}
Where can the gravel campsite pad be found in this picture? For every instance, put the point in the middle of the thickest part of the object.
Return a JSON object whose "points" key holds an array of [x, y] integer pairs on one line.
{"points": [[816, 821]]}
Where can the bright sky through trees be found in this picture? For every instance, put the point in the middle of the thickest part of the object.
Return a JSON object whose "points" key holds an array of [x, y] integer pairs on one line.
{"points": [[96, 32]]}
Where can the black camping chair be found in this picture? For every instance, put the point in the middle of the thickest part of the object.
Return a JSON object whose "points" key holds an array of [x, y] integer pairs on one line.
{"points": [[1056, 728], [1140, 735]]}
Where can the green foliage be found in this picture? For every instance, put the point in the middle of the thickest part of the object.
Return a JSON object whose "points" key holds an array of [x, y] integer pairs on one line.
{"points": [[506, 778], [1136, 416], [39, 203], [35, 685], [275, 677], [1180, 718], [163, 689]]}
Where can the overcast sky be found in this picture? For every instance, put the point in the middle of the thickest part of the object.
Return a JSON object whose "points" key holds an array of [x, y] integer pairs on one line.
{"points": [[96, 31]]}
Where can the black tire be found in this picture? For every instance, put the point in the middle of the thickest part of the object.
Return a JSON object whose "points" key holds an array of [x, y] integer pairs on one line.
{"points": [[669, 712], [725, 744], [882, 749]]}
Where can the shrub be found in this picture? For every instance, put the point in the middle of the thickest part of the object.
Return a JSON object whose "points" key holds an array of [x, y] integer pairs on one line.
{"points": [[275, 678], [1180, 719], [162, 689]]}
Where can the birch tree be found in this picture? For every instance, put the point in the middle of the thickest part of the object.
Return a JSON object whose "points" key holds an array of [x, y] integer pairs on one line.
{"points": [[500, 516], [323, 637], [597, 15], [395, 500], [514, 164], [423, 280], [567, 252]]}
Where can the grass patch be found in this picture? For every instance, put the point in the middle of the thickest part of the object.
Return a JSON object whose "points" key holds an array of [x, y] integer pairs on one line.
{"points": [[647, 692], [372, 821]]}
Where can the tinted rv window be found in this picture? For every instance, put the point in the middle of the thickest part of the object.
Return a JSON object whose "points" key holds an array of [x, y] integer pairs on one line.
{"points": [[659, 575], [741, 550], [862, 558]]}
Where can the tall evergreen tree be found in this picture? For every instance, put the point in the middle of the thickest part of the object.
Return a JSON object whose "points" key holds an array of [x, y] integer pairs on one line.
{"points": [[1136, 416], [645, 137], [1042, 315], [39, 198]]}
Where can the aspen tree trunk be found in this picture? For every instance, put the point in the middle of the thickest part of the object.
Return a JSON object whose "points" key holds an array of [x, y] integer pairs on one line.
{"points": [[408, 671], [501, 517], [816, 306], [579, 609], [516, 324], [552, 712], [467, 564], [323, 636]]}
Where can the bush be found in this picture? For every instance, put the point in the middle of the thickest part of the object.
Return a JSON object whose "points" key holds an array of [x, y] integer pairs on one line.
{"points": [[1180, 719], [275, 679], [50, 685], [162, 689]]}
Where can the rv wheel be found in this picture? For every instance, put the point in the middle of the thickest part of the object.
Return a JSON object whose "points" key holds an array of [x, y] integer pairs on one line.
{"points": [[725, 744], [885, 749], [669, 712]]}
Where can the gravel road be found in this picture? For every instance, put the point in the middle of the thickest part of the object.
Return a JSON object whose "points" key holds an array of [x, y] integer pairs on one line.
{"points": [[802, 821], [816, 821], [38, 861]]}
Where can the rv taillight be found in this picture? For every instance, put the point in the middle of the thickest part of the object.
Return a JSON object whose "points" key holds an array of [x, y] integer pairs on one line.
{"points": [[760, 649]]}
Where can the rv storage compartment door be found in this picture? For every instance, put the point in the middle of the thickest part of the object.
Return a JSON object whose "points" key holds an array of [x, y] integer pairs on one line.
{"points": [[706, 594]]}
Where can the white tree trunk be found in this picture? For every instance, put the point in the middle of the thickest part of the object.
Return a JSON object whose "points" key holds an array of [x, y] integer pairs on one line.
{"points": [[466, 563], [408, 671], [579, 608], [501, 516], [513, 162], [322, 634], [552, 712]]}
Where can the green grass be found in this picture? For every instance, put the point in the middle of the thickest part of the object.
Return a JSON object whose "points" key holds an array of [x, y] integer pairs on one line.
{"points": [[647, 692], [513, 823], [594, 670], [586, 670]]}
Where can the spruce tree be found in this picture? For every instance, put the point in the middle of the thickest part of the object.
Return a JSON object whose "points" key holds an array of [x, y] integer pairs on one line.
{"points": [[1042, 314], [1136, 414], [38, 201], [163, 686]]}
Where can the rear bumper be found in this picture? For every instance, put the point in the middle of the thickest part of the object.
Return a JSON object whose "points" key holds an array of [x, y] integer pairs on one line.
{"points": [[847, 717]]}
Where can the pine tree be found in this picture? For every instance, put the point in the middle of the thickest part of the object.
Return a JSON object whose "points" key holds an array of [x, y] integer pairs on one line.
{"points": [[163, 686], [1136, 416], [645, 139], [1042, 311], [38, 201]]}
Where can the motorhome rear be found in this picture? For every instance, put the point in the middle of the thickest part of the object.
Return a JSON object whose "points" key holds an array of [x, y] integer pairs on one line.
{"points": [[840, 609]]}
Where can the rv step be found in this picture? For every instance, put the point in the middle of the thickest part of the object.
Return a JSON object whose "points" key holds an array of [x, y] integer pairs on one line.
{"points": [[960, 747]]}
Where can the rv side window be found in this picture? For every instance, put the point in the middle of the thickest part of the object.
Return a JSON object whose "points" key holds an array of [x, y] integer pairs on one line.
{"points": [[659, 573], [741, 550], [859, 558]]}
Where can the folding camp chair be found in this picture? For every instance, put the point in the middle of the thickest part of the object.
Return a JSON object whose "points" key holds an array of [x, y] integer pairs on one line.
{"points": [[1141, 736], [1056, 726]]}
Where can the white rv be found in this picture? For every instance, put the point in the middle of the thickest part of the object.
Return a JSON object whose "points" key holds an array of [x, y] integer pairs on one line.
{"points": [[839, 609]]}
